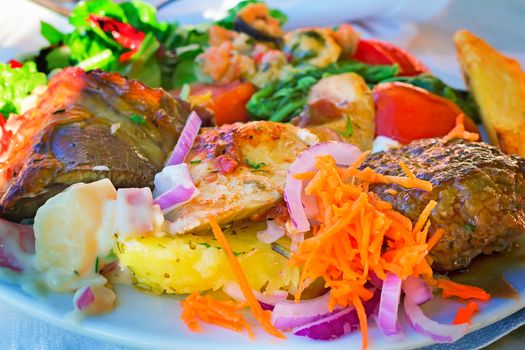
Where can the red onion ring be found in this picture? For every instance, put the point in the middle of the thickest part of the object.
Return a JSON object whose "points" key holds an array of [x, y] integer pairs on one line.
{"points": [[338, 323], [389, 305], [417, 292], [186, 139], [85, 298], [343, 153]]}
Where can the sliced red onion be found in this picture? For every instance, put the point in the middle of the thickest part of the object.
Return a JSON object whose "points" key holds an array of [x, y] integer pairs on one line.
{"points": [[289, 314], [416, 290], [83, 298], [437, 332], [186, 139], [375, 280], [174, 187], [17, 246], [337, 323], [273, 232], [267, 301], [109, 267], [389, 305], [343, 153], [135, 212]]}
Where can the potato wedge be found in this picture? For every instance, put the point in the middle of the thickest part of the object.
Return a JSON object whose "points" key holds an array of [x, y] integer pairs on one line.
{"points": [[498, 85]]}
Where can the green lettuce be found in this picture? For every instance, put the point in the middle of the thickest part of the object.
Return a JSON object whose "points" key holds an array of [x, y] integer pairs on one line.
{"points": [[16, 84]]}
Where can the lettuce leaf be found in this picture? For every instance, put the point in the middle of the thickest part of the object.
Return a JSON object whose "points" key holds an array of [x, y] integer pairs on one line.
{"points": [[16, 84]]}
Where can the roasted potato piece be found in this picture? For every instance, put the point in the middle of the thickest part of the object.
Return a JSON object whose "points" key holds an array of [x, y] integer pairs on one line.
{"points": [[498, 85], [188, 263], [341, 108]]}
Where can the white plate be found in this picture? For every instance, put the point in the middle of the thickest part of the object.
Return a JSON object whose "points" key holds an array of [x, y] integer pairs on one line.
{"points": [[151, 322]]}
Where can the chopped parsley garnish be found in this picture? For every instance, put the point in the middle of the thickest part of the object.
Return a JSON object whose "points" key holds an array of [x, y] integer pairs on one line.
{"points": [[96, 265], [196, 161], [254, 165], [469, 227], [349, 128], [138, 119], [206, 245], [76, 272], [111, 256], [278, 248]]}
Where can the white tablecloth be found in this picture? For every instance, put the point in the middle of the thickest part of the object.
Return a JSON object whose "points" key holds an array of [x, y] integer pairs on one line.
{"points": [[500, 22]]}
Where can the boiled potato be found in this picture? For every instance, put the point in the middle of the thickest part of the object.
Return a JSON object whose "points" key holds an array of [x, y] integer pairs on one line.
{"points": [[498, 85], [187, 263]]}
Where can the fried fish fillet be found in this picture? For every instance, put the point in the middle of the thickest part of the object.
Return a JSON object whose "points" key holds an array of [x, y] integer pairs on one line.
{"points": [[85, 127], [240, 170]]}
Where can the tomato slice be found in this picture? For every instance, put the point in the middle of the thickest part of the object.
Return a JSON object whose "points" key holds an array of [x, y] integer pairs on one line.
{"points": [[380, 52], [228, 101], [406, 113], [15, 64]]}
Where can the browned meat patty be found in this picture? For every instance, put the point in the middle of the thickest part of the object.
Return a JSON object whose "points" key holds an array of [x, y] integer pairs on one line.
{"points": [[479, 190]]}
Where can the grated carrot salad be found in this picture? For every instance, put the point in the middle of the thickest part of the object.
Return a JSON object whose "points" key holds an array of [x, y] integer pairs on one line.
{"points": [[358, 234], [262, 316], [459, 131], [454, 289], [218, 312], [465, 313]]}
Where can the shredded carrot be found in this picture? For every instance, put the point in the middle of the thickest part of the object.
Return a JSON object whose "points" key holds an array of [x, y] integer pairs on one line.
{"points": [[358, 233], [262, 316], [207, 309], [391, 191], [459, 131], [307, 175], [453, 289], [435, 238], [465, 313]]}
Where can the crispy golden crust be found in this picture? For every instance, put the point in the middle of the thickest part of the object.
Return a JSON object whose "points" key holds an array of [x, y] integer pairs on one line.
{"points": [[498, 85]]}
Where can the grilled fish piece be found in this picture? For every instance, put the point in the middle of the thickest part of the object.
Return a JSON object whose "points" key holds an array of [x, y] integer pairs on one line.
{"points": [[478, 189], [240, 170], [85, 127]]}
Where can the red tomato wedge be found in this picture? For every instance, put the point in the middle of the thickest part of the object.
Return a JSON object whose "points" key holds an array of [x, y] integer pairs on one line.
{"points": [[15, 64], [406, 113], [228, 101], [380, 52]]}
